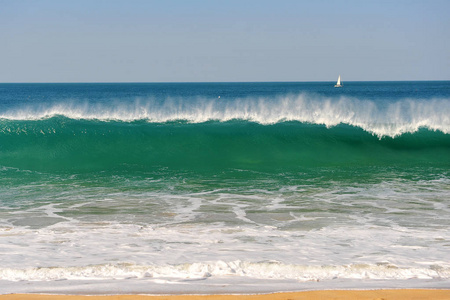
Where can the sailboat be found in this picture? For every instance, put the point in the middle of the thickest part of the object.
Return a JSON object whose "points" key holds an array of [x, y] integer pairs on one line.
{"points": [[338, 83]]}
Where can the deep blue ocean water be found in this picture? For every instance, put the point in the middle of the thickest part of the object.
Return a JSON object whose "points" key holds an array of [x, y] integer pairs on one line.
{"points": [[182, 186]]}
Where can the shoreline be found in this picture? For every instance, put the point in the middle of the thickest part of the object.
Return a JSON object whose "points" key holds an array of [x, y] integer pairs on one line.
{"points": [[375, 294]]}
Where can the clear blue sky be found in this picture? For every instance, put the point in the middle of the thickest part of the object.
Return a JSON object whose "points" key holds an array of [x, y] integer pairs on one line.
{"points": [[244, 40]]}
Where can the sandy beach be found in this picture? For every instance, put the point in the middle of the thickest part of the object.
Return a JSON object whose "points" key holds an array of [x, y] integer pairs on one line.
{"points": [[401, 294]]}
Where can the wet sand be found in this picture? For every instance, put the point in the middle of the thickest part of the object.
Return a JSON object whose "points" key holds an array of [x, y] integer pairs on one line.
{"points": [[400, 294]]}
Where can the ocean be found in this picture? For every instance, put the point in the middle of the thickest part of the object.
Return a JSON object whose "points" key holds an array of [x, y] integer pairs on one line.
{"points": [[112, 188]]}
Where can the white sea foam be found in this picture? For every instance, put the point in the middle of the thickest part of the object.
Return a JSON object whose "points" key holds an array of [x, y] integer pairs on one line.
{"points": [[380, 118], [301, 231], [256, 270]]}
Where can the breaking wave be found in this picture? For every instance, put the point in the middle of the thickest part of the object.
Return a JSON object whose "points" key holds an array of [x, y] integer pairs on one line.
{"points": [[380, 118], [259, 270]]}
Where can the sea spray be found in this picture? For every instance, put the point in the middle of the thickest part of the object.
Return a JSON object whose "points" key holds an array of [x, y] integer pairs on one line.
{"points": [[381, 119]]}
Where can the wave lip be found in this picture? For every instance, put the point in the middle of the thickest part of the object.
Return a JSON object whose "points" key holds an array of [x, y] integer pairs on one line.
{"points": [[378, 118]]}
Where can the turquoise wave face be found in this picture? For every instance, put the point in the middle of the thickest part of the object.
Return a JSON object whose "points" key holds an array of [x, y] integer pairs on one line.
{"points": [[60, 144]]}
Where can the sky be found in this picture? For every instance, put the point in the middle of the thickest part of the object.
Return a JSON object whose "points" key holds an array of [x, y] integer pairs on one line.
{"points": [[223, 41]]}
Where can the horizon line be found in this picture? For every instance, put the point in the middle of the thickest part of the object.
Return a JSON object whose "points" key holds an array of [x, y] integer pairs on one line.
{"points": [[107, 82]]}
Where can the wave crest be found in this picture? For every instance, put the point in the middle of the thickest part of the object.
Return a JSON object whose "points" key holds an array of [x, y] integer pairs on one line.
{"points": [[380, 118]]}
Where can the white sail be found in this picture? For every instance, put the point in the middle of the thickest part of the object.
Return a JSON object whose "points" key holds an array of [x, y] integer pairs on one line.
{"points": [[338, 83]]}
